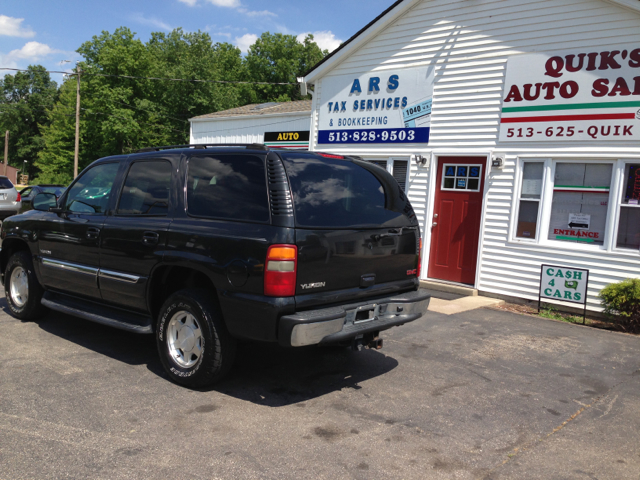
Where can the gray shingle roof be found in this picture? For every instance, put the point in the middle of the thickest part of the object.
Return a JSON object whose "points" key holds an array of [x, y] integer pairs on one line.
{"points": [[300, 106]]}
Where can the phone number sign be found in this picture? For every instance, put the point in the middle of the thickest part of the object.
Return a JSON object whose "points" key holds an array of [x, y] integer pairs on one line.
{"points": [[375, 135], [572, 96]]}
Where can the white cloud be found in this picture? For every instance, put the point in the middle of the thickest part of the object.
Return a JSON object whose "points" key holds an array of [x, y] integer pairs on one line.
{"points": [[151, 21], [325, 40], [226, 3], [11, 27], [32, 51], [235, 4], [262, 13], [245, 41]]}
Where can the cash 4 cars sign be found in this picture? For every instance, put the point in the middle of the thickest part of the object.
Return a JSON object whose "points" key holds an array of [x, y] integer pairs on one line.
{"points": [[378, 107], [577, 95], [563, 284]]}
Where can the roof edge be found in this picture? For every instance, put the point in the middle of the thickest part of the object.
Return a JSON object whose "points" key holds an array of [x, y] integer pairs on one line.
{"points": [[628, 4], [304, 113], [381, 21]]}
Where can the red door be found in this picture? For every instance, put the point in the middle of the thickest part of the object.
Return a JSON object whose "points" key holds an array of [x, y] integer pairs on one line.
{"points": [[456, 219]]}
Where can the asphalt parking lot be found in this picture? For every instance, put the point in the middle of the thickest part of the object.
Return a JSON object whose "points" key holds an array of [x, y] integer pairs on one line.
{"points": [[482, 394]]}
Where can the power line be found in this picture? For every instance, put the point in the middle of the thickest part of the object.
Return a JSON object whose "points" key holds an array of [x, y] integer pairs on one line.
{"points": [[236, 82]]}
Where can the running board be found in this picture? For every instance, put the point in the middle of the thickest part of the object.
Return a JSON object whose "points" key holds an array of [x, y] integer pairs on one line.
{"points": [[93, 312]]}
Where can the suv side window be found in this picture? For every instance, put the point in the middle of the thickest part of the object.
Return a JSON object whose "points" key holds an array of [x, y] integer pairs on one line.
{"points": [[230, 187], [146, 189], [90, 194]]}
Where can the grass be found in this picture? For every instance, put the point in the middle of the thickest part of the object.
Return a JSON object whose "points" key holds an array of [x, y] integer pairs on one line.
{"points": [[553, 314]]}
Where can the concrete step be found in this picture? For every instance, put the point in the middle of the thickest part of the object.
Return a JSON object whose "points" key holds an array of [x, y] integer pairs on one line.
{"points": [[449, 288], [464, 304]]}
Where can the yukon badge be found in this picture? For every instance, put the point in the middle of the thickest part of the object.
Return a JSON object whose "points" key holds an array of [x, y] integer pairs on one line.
{"points": [[306, 286]]}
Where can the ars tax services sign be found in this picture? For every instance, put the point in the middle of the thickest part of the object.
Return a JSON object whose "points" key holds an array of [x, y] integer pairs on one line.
{"points": [[377, 107], [578, 95]]}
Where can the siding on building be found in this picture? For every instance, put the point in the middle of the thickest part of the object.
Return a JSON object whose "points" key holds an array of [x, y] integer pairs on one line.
{"points": [[469, 43], [245, 129]]}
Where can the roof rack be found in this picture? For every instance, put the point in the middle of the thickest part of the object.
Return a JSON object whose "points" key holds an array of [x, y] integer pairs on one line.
{"points": [[248, 146]]}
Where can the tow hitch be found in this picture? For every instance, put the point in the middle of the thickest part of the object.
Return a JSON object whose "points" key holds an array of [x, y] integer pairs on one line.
{"points": [[369, 340]]}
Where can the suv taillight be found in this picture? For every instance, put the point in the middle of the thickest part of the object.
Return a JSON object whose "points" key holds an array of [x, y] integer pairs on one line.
{"points": [[19, 199], [419, 259], [280, 271]]}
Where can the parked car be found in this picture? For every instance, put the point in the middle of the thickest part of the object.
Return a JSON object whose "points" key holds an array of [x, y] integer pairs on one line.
{"points": [[29, 193], [10, 201], [209, 245]]}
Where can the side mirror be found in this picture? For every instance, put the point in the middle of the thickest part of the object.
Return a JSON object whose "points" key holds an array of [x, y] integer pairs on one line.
{"points": [[45, 202]]}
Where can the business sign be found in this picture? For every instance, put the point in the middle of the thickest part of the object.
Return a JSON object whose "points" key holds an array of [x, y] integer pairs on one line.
{"points": [[573, 96], [564, 284], [287, 139], [378, 107]]}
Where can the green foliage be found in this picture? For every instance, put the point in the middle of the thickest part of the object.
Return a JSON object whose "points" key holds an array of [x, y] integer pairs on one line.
{"points": [[25, 101], [621, 302], [278, 58], [554, 314], [121, 115]]}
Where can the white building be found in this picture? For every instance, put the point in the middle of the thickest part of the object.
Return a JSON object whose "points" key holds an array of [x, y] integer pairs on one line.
{"points": [[283, 125], [527, 114]]}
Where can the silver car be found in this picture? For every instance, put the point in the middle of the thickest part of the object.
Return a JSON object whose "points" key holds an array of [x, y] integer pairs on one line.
{"points": [[10, 201]]}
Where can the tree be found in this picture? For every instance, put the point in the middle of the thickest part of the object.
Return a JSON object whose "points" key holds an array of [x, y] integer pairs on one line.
{"points": [[279, 58], [25, 101]]}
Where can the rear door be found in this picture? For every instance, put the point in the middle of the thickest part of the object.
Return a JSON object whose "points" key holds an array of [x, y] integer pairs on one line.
{"points": [[355, 229], [134, 237]]}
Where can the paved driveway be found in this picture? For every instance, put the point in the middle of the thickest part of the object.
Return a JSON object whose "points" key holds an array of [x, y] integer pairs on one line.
{"points": [[481, 394]]}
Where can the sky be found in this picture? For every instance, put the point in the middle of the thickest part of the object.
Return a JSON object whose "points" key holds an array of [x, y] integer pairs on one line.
{"points": [[47, 32]]}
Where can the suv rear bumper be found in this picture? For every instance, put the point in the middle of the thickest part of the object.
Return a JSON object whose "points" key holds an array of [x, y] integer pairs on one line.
{"points": [[346, 322]]}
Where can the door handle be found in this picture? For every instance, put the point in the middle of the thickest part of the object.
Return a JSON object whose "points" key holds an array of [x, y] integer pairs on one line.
{"points": [[150, 238], [434, 224], [93, 233]]}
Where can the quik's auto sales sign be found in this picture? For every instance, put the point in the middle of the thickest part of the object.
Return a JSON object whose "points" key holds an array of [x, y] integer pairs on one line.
{"points": [[378, 107], [579, 95]]}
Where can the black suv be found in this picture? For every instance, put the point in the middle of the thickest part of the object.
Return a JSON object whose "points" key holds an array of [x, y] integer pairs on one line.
{"points": [[206, 245]]}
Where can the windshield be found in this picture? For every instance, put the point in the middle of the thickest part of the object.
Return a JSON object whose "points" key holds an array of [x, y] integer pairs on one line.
{"points": [[335, 193], [55, 190]]}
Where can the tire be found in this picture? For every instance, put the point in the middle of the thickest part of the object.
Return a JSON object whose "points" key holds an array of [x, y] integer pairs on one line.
{"points": [[22, 288], [195, 347]]}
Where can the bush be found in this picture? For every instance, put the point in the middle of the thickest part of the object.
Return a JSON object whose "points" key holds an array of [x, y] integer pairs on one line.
{"points": [[621, 302]]}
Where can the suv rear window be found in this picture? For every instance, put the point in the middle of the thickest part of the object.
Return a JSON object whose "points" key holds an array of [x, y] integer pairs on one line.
{"points": [[332, 193], [5, 183], [232, 187]]}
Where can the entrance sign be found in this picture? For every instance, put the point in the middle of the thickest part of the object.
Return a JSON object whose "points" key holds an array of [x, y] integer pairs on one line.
{"points": [[563, 284], [377, 107], [572, 96]]}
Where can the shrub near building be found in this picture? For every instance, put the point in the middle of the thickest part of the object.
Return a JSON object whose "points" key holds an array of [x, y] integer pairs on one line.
{"points": [[621, 303]]}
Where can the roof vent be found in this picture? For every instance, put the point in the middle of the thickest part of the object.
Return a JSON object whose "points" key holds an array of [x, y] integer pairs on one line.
{"points": [[279, 194]]}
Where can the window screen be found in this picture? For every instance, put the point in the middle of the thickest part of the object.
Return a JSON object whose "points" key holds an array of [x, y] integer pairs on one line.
{"points": [[400, 173], [146, 189], [580, 202], [629, 225], [530, 200], [229, 187]]}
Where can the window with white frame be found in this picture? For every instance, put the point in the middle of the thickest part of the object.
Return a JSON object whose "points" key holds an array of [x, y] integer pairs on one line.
{"points": [[580, 202], [587, 202], [529, 202], [399, 168], [629, 213]]}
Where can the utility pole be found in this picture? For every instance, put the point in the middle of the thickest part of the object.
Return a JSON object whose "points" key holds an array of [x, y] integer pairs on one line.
{"points": [[75, 156], [6, 151]]}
